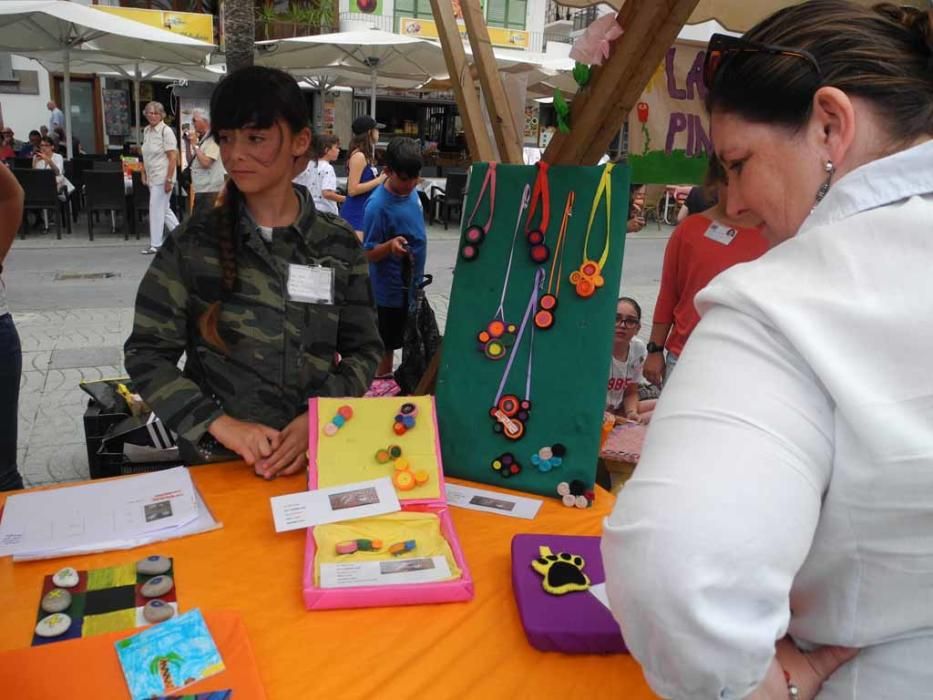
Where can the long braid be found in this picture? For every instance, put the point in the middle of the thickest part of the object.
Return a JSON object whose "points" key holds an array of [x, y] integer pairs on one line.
{"points": [[224, 222]]}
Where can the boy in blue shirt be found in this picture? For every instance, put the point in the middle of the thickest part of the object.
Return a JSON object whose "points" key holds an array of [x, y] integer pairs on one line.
{"points": [[393, 229]]}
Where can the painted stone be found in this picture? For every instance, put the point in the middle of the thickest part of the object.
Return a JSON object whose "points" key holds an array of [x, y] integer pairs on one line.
{"points": [[156, 586], [56, 600], [157, 611], [65, 578], [53, 625], [154, 565]]}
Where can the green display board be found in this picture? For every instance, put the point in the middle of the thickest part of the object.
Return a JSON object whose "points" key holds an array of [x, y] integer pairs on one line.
{"points": [[569, 361]]}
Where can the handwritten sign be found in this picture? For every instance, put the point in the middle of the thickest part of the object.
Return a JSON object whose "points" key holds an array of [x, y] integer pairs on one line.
{"points": [[669, 139]]}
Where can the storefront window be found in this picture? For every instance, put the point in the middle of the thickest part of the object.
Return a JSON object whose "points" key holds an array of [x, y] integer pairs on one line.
{"points": [[507, 13], [414, 8]]}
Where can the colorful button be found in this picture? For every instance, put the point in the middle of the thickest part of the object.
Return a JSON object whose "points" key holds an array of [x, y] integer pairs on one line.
{"points": [[395, 451], [558, 449], [347, 547], [346, 412], [421, 477], [548, 302], [338, 420], [535, 237], [401, 464], [402, 547], [409, 409], [544, 319], [399, 429], [475, 235], [403, 480], [469, 252], [383, 457], [494, 350], [540, 253], [330, 430]]}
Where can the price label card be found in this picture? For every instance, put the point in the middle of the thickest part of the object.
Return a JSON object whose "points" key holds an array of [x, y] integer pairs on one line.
{"points": [[311, 284]]}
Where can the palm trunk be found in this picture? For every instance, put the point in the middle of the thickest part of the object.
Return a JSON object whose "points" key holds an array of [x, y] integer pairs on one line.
{"points": [[239, 33], [167, 682]]}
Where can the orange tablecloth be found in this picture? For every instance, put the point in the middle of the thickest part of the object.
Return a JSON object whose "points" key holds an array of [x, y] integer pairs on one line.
{"points": [[454, 650]]}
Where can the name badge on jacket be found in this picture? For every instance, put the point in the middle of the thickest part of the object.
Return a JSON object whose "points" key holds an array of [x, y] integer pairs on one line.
{"points": [[311, 284], [720, 233]]}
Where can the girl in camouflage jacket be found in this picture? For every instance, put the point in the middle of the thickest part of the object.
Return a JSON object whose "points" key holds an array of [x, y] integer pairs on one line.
{"points": [[262, 294]]}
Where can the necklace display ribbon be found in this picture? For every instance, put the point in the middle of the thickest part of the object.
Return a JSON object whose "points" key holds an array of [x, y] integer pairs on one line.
{"points": [[538, 250], [509, 413], [547, 304], [589, 276], [475, 234], [496, 338]]}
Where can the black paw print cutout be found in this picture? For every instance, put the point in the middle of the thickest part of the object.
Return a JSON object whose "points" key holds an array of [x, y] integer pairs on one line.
{"points": [[562, 573]]}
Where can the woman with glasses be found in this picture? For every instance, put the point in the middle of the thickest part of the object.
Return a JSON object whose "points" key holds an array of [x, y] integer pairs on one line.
{"points": [[776, 540], [160, 161], [700, 248], [47, 159]]}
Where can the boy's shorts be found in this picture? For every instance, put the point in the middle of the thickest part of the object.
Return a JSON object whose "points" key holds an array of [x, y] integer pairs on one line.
{"points": [[392, 326]]}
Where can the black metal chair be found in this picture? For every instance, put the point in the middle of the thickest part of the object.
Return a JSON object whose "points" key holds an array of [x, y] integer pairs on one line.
{"points": [[450, 197], [22, 162], [105, 191], [340, 170], [41, 194], [429, 171], [74, 199], [140, 199]]}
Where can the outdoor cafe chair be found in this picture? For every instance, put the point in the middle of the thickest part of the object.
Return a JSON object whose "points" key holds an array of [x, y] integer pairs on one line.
{"points": [[109, 166], [105, 191], [41, 193], [450, 197]]}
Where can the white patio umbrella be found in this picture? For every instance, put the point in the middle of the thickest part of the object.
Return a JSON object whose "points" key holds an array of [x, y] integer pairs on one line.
{"points": [[381, 55], [134, 71], [69, 31]]}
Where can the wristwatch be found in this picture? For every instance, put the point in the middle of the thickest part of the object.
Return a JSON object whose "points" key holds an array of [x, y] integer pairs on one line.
{"points": [[654, 347]]}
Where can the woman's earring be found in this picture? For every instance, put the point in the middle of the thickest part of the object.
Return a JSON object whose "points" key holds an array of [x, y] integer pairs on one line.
{"points": [[824, 188]]}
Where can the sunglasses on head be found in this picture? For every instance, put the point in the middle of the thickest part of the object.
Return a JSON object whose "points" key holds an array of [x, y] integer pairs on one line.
{"points": [[722, 47]]}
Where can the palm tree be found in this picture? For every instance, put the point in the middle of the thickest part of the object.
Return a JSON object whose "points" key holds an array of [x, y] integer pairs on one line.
{"points": [[160, 666], [239, 33]]}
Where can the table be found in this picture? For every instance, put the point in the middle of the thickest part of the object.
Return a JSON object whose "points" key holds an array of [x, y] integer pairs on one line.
{"points": [[455, 650]]}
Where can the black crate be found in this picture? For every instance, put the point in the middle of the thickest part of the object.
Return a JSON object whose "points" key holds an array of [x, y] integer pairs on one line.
{"points": [[96, 425]]}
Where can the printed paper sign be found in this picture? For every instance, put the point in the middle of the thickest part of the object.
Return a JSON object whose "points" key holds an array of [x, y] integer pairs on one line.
{"points": [[492, 502], [334, 504], [385, 572]]}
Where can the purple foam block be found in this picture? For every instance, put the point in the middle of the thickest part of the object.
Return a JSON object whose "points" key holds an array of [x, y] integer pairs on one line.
{"points": [[574, 623]]}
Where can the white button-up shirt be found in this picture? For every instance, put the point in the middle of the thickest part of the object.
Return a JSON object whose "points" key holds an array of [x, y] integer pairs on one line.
{"points": [[789, 463]]}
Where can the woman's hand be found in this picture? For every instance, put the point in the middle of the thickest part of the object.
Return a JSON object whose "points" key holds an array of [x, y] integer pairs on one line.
{"points": [[168, 186], [291, 456], [252, 441], [382, 177], [806, 670], [654, 368], [636, 223]]}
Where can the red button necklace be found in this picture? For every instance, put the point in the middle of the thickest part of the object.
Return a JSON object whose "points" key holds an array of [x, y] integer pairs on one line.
{"points": [[589, 276], [495, 339], [475, 234], [535, 236], [547, 304]]}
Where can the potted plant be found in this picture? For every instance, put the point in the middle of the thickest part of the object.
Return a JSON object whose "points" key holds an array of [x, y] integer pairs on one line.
{"points": [[265, 16]]}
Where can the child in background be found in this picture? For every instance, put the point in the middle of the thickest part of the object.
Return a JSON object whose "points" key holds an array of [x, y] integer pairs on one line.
{"points": [[628, 358], [319, 177], [393, 229]]}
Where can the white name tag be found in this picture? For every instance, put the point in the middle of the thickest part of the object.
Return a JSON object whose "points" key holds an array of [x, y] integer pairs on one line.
{"points": [[311, 284], [720, 233]]}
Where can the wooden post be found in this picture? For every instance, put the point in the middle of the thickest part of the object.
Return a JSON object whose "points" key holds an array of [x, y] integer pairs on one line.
{"points": [[598, 110], [497, 104], [462, 82]]}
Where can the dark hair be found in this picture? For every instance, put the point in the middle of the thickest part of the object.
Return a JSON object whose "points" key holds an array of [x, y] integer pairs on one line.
{"points": [[256, 97], [403, 156], [715, 174], [35, 132], [883, 54], [634, 304], [364, 144], [49, 140], [322, 145]]}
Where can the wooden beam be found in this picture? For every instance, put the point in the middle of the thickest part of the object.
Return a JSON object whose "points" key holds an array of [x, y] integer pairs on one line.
{"points": [[598, 111], [462, 82], [497, 103]]}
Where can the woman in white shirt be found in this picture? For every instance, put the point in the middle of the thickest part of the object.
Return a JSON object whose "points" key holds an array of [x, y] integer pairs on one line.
{"points": [[160, 161], [319, 177], [47, 159], [776, 539]]}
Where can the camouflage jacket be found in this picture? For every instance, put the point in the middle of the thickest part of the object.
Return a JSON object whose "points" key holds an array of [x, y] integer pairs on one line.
{"points": [[280, 352]]}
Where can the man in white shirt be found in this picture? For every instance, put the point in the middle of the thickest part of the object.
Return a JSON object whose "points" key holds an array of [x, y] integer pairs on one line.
{"points": [[203, 153], [56, 118]]}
